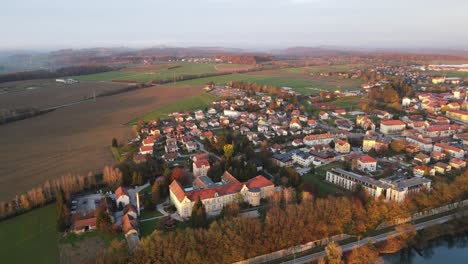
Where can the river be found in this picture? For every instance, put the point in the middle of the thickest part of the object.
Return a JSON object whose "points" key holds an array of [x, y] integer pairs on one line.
{"points": [[446, 250]]}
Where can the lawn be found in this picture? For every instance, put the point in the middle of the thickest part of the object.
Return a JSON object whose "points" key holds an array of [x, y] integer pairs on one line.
{"points": [[189, 104], [30, 238], [163, 72], [322, 188], [349, 102]]}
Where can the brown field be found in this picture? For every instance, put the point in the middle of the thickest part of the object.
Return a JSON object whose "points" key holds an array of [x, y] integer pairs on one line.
{"points": [[233, 67], [74, 139], [48, 93]]}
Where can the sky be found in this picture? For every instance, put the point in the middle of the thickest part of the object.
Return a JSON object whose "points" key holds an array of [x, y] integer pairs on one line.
{"points": [[256, 24]]}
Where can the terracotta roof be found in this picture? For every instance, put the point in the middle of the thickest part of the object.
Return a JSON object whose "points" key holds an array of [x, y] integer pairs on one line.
{"points": [[200, 163], [177, 190], [129, 223], [318, 136], [210, 193], [258, 182], [80, 224], [367, 159], [203, 156], [121, 191], [146, 148], [392, 122]]}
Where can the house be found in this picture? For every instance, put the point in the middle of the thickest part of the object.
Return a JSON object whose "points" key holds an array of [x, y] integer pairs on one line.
{"points": [[451, 150], [365, 123], [213, 123], [366, 163], [342, 146], [311, 123], [340, 112], [146, 150], [344, 124], [457, 164], [297, 142], [122, 198], [388, 127], [424, 144], [421, 171], [283, 160], [148, 141], [311, 140], [191, 146], [302, 158], [438, 155], [216, 196], [201, 167], [170, 156], [422, 158], [442, 168], [295, 124], [199, 115], [275, 148], [171, 148], [84, 225], [129, 225], [323, 115], [206, 135]]}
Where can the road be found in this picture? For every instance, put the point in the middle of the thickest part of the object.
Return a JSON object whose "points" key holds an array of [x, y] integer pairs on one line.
{"points": [[374, 239]]}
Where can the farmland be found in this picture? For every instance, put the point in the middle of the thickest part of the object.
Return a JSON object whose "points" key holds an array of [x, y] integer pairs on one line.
{"points": [[198, 102], [48, 93], [301, 82], [30, 238], [167, 71], [75, 139]]}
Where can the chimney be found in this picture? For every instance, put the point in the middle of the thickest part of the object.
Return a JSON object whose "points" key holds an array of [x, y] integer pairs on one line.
{"points": [[138, 202]]}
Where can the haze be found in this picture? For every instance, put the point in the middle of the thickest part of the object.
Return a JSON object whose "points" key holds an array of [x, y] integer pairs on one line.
{"points": [[52, 24]]}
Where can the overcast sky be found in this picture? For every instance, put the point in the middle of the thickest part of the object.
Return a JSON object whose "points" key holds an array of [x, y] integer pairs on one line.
{"points": [[266, 24]]}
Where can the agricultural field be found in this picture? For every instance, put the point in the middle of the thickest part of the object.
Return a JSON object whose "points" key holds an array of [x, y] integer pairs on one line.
{"points": [[303, 83], [30, 238], [48, 93], [166, 71], [460, 74], [198, 102], [76, 139]]}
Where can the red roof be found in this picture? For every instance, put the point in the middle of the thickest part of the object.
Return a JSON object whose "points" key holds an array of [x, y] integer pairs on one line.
{"points": [[146, 148], [203, 156], [80, 224], [392, 122], [177, 190], [258, 182], [367, 159], [200, 163]]}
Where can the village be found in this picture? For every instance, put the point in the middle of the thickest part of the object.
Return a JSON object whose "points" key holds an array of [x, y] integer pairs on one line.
{"points": [[264, 136]]}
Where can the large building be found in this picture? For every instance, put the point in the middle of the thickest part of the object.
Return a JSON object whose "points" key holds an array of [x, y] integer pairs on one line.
{"points": [[391, 189], [392, 126], [216, 195], [318, 139], [201, 167], [458, 115]]}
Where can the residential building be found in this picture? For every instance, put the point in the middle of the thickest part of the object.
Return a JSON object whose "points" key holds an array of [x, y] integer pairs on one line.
{"points": [[311, 140], [342, 146], [200, 168], [388, 127], [366, 163]]}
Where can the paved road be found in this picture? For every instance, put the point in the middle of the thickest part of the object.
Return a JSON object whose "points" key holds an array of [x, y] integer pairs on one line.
{"points": [[378, 238]]}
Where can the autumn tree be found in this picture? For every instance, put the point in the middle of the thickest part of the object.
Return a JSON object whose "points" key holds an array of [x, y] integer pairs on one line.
{"points": [[366, 254], [112, 177], [228, 151], [397, 145], [103, 220], [178, 175], [62, 212], [334, 253], [198, 217]]}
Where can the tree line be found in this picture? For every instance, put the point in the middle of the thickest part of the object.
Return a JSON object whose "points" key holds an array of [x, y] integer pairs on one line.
{"points": [[47, 74]]}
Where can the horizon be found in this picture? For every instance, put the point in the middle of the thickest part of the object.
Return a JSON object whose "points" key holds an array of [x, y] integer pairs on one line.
{"points": [[264, 25]]}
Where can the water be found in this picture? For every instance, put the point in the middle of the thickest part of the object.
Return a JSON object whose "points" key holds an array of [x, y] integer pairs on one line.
{"points": [[446, 250]]}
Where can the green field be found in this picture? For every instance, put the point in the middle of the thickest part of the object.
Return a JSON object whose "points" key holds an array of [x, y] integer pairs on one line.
{"points": [[299, 82], [448, 73], [30, 238], [158, 72], [198, 102]]}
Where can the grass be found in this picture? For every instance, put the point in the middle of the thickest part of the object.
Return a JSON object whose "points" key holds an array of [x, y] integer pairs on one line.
{"points": [[149, 214], [348, 103], [165, 72], [322, 188], [73, 238], [189, 104], [30, 238]]}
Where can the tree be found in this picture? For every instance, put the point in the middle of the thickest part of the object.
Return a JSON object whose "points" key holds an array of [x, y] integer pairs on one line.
{"points": [[228, 151], [397, 145], [334, 253], [366, 254], [114, 143], [62, 212], [198, 217], [103, 220]]}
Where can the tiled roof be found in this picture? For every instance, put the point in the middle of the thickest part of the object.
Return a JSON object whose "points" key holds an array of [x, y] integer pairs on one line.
{"points": [[392, 122]]}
